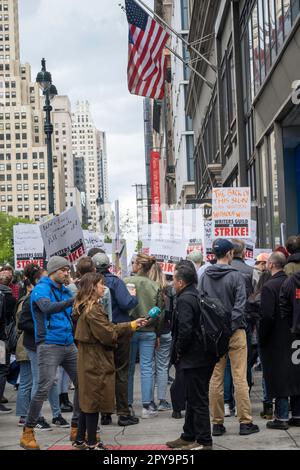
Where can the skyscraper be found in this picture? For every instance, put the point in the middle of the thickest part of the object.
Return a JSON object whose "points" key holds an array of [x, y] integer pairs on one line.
{"points": [[89, 144], [23, 154]]}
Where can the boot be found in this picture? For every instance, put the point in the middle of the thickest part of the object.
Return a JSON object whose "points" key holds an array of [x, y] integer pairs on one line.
{"points": [[28, 440], [65, 404], [267, 412]]}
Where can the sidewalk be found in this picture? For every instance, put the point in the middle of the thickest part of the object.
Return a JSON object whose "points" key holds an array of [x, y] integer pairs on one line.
{"points": [[155, 431]]}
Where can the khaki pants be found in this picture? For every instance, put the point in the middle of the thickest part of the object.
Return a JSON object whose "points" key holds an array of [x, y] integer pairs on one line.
{"points": [[238, 359]]}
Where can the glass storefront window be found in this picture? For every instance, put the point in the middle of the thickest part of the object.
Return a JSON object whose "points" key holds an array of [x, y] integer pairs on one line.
{"points": [[274, 186], [265, 196]]}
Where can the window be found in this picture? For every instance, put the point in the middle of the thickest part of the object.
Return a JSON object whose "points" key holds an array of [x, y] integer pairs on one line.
{"points": [[265, 31]]}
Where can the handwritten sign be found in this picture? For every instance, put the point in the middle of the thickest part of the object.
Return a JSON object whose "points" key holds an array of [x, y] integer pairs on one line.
{"points": [[28, 246], [93, 240], [63, 236], [231, 213]]}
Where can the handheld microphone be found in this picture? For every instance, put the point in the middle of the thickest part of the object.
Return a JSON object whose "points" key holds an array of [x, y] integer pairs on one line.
{"points": [[153, 314]]}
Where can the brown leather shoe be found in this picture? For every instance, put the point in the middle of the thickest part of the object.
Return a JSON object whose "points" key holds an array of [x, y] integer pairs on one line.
{"points": [[178, 443], [28, 440]]}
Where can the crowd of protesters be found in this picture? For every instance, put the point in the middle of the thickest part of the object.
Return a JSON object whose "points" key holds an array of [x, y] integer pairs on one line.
{"points": [[87, 330]]}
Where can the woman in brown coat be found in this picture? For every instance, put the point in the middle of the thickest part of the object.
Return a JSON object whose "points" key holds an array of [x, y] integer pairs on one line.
{"points": [[96, 339]]}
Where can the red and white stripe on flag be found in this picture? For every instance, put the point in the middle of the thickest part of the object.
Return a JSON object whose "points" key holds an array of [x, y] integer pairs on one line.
{"points": [[147, 61]]}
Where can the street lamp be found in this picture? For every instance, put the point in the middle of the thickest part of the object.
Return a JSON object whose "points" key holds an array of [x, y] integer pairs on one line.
{"points": [[44, 80]]}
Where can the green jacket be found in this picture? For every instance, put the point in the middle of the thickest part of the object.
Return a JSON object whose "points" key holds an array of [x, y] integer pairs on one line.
{"points": [[149, 295]]}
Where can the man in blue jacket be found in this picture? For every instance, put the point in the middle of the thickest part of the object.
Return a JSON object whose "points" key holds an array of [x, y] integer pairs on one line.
{"points": [[122, 303], [51, 307]]}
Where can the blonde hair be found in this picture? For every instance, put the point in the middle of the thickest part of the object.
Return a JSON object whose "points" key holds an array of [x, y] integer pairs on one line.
{"points": [[146, 262], [86, 297], [156, 274]]}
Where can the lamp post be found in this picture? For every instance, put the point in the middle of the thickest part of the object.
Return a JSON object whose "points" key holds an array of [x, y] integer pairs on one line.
{"points": [[44, 80]]}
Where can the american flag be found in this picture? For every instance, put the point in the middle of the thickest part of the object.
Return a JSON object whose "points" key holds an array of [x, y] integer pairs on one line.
{"points": [[147, 62]]}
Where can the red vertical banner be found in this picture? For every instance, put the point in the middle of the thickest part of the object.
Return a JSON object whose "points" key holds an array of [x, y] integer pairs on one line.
{"points": [[155, 188]]}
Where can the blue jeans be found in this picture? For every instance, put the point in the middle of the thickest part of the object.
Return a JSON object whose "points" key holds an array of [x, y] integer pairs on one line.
{"points": [[63, 381], [143, 342], [228, 385], [53, 393], [282, 408], [161, 366], [24, 390]]}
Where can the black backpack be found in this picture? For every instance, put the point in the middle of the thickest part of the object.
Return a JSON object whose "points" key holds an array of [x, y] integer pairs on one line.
{"points": [[215, 324], [214, 327]]}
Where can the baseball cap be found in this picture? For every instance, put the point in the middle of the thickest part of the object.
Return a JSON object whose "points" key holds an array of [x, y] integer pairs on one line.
{"points": [[221, 246], [262, 257], [101, 261]]}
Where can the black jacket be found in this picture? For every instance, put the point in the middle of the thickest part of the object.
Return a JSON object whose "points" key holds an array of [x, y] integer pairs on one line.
{"points": [[290, 301], [7, 315], [187, 349], [282, 376], [26, 324]]}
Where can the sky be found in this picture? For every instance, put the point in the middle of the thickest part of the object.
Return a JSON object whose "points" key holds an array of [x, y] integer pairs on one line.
{"points": [[85, 45]]}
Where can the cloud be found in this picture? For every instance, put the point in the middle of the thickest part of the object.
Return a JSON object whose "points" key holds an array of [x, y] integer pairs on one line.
{"points": [[85, 44]]}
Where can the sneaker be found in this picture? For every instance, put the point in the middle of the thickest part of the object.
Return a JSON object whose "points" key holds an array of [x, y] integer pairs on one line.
{"points": [[60, 422], [170, 380], [98, 446], [127, 420], [153, 406], [277, 424], [294, 422], [106, 420], [218, 430], [4, 400], [227, 411], [249, 428], [148, 413], [131, 410], [42, 425], [22, 421], [164, 406], [179, 444], [79, 445], [177, 415], [4, 410]]}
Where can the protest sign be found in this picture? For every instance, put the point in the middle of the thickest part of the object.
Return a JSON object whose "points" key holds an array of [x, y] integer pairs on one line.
{"points": [[62, 236], [119, 258], [28, 246], [231, 213], [189, 222], [93, 240]]}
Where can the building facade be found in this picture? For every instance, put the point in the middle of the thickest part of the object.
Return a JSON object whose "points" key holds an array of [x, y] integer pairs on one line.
{"points": [[247, 127], [23, 154], [183, 134], [89, 144]]}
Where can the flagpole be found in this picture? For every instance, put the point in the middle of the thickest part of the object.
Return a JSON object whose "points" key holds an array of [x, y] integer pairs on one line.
{"points": [[179, 36], [208, 83]]}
